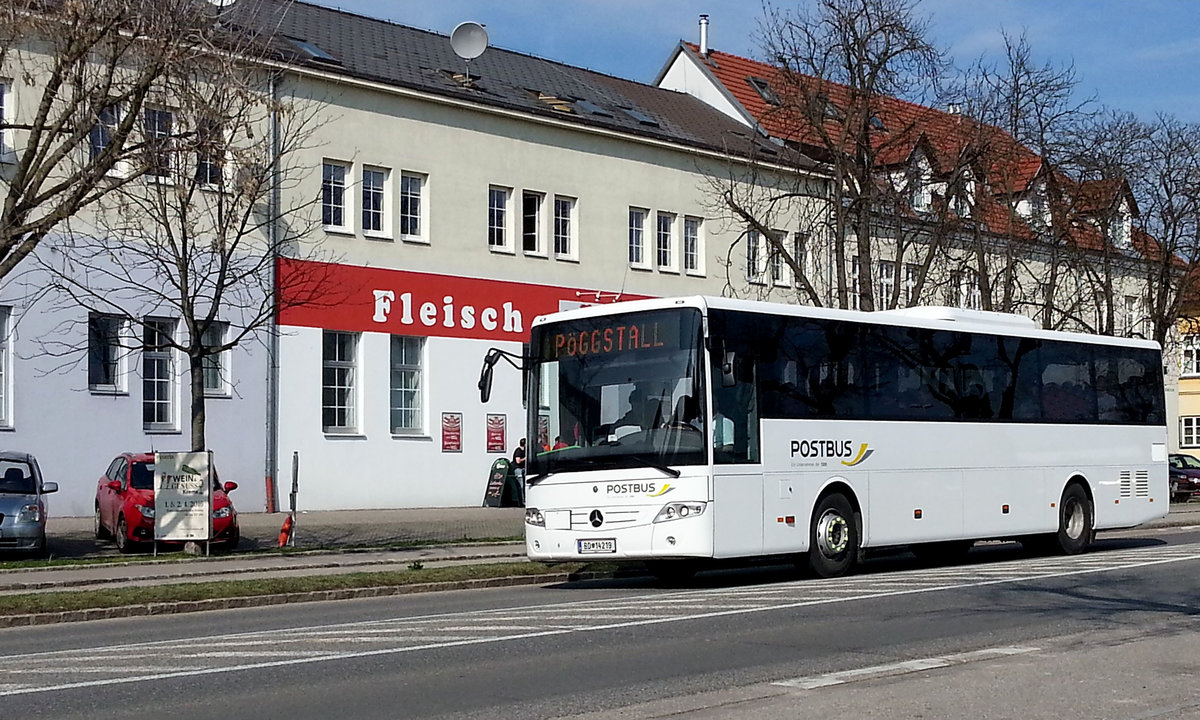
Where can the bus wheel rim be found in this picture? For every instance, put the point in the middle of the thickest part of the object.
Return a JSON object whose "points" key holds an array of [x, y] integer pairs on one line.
{"points": [[833, 534], [1075, 520]]}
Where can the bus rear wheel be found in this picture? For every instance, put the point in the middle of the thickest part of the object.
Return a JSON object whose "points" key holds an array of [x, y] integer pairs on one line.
{"points": [[833, 537]]}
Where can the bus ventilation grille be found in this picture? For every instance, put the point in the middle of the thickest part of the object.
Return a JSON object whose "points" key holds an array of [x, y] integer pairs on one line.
{"points": [[1135, 483], [609, 518]]}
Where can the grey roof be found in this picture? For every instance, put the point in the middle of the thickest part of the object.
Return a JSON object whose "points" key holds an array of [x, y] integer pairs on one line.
{"points": [[361, 47]]}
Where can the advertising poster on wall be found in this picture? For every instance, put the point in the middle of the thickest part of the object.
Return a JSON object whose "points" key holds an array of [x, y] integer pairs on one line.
{"points": [[182, 496], [452, 432], [497, 433]]}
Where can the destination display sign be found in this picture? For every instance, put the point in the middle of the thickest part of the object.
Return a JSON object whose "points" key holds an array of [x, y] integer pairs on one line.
{"points": [[618, 334]]}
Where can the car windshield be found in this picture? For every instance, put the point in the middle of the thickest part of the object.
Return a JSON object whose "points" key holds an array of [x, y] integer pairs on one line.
{"points": [[143, 476], [619, 391], [16, 478], [1188, 461]]}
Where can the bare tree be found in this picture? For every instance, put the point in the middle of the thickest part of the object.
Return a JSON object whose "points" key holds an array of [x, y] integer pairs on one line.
{"points": [[221, 151], [83, 70]]}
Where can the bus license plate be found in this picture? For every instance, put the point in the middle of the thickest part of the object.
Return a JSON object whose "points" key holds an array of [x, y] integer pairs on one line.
{"points": [[597, 546]]}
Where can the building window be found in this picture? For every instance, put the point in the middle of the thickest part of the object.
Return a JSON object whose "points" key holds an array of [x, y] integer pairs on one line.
{"points": [[158, 375], [101, 134], [1189, 432], [779, 274], [5, 147], [911, 271], [1132, 316], [374, 189], [887, 282], [407, 414], [1190, 361], [637, 235], [156, 124], [333, 196], [753, 256], [664, 246], [564, 226], [339, 359], [412, 190], [216, 366], [104, 354], [6, 383], [210, 152], [691, 245], [498, 217], [531, 222], [855, 292]]}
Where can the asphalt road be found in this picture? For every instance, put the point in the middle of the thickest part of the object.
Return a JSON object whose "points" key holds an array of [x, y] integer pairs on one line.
{"points": [[1112, 633]]}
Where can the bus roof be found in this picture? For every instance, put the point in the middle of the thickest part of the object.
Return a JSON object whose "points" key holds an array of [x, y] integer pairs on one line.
{"points": [[929, 316]]}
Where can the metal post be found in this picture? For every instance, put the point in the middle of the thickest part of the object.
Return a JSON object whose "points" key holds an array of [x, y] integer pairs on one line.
{"points": [[292, 497]]}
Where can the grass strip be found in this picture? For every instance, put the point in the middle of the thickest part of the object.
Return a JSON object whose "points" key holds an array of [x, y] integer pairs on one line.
{"points": [[60, 601]]}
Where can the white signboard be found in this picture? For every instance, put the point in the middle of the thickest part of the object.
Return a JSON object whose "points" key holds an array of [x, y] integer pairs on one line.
{"points": [[182, 496]]}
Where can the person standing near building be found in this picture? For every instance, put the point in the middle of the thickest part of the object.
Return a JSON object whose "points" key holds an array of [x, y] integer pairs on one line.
{"points": [[518, 463]]}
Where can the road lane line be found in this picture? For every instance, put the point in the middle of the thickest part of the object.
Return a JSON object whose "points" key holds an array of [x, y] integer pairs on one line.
{"points": [[900, 668]]}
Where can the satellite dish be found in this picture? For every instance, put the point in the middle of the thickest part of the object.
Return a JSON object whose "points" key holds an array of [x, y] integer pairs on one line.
{"points": [[469, 40]]}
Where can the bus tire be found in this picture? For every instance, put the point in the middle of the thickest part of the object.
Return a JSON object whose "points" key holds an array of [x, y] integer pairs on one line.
{"points": [[1076, 520], [833, 537]]}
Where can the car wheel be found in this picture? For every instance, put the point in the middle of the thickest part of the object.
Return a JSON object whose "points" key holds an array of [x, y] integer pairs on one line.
{"points": [[833, 537], [101, 533], [122, 536]]}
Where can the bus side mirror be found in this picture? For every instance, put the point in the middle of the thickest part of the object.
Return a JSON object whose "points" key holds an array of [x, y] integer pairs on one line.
{"points": [[485, 376], [727, 378]]}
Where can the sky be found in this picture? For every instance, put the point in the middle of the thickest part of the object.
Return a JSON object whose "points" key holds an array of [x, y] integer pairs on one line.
{"points": [[1141, 56]]}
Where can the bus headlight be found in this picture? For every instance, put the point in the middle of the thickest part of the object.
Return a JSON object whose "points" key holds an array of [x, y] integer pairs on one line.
{"points": [[533, 516], [679, 510]]}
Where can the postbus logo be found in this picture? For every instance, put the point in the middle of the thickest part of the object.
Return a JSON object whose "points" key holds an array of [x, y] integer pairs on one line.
{"points": [[842, 450], [638, 488]]}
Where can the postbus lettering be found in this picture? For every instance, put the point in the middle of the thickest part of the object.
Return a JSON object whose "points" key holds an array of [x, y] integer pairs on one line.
{"points": [[822, 448], [629, 488]]}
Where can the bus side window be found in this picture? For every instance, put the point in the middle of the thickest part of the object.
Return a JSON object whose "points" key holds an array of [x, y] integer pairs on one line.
{"points": [[735, 410]]}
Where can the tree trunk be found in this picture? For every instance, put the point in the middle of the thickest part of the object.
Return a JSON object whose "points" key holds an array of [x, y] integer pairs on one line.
{"points": [[196, 374]]}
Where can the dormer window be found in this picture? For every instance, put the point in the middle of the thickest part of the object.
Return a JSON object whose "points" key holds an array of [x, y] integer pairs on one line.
{"points": [[1120, 229], [764, 90], [877, 124]]}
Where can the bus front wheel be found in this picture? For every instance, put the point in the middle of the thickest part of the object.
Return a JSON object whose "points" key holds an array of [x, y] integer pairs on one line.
{"points": [[833, 537]]}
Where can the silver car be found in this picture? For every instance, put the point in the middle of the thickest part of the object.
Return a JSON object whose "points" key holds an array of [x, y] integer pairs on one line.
{"points": [[22, 508]]}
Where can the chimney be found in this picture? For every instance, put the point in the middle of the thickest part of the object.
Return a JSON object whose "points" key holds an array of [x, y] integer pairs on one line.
{"points": [[704, 36]]}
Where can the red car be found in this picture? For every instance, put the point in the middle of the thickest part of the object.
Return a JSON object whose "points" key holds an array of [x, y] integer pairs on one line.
{"points": [[125, 505]]}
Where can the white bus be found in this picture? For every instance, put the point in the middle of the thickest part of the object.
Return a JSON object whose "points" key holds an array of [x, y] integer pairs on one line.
{"points": [[673, 431]]}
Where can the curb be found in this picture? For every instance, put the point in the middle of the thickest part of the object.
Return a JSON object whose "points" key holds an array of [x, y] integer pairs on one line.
{"points": [[188, 606], [219, 573]]}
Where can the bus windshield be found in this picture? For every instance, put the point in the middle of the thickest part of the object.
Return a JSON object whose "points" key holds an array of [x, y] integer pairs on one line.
{"points": [[619, 391]]}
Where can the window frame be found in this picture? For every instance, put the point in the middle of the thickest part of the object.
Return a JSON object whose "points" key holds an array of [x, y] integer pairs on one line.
{"points": [[158, 137], [636, 237], [351, 407], [154, 353], [405, 366], [1189, 431], [755, 260], [6, 367], [693, 245], [666, 241], [328, 189], [8, 151], [404, 206], [566, 227], [380, 191], [117, 361], [536, 224], [499, 232], [218, 362]]}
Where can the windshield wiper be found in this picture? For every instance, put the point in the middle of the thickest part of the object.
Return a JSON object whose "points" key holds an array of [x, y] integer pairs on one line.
{"points": [[665, 470]]}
